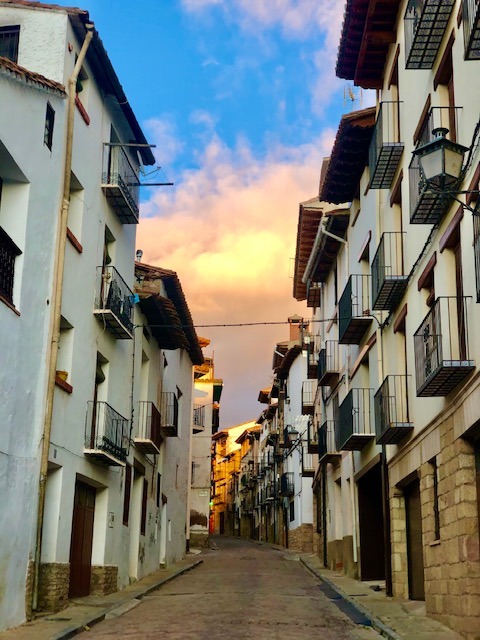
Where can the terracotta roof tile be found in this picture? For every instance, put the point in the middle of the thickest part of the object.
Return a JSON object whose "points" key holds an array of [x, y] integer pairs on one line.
{"points": [[20, 73]]}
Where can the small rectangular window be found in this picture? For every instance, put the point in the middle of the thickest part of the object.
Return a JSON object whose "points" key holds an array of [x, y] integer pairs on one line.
{"points": [[9, 37], [292, 511], [8, 252], [143, 521], [126, 495], [49, 122], [436, 509]]}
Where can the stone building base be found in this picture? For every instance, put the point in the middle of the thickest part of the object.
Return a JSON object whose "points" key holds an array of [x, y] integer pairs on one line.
{"points": [[199, 539], [104, 580], [301, 538], [53, 586]]}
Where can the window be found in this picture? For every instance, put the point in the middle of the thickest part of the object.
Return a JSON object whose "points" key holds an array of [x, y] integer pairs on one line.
{"points": [[9, 37], [8, 252], [436, 511], [126, 495], [159, 488], [49, 122], [292, 511]]}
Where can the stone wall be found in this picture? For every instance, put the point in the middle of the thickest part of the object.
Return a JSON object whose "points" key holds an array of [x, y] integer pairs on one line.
{"points": [[399, 544], [452, 563], [53, 586], [103, 580], [301, 538], [199, 540], [29, 590]]}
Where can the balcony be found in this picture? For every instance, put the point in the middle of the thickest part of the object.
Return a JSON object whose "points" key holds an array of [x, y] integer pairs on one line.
{"points": [[442, 357], [471, 29], [312, 355], [327, 450], [354, 316], [114, 303], [8, 252], [425, 25], [106, 434], [354, 429], [148, 436], [270, 493], [169, 414], [388, 279], [308, 464], [314, 290], [385, 148], [287, 487], [328, 364], [120, 183], [198, 418], [309, 388], [392, 421]]}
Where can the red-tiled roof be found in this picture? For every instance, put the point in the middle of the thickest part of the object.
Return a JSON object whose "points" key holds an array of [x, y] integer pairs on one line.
{"points": [[349, 156], [20, 73], [283, 369], [309, 216], [368, 30]]}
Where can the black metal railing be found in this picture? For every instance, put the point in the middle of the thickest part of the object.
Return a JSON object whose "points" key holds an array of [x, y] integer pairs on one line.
{"points": [[114, 295], [354, 309], [355, 417], [149, 423], [388, 279], [425, 24], [8, 252], [326, 439], [385, 148], [169, 413], [392, 420], [328, 362], [106, 432], [442, 354], [287, 487], [119, 177], [471, 28], [198, 416]]}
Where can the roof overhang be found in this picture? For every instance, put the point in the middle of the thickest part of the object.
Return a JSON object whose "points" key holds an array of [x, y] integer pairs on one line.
{"points": [[349, 156], [283, 369], [369, 28]]}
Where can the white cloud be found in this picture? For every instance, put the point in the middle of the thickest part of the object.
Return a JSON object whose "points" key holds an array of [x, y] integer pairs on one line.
{"points": [[162, 132]]}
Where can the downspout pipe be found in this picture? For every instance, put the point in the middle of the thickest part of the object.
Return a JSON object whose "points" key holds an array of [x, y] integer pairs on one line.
{"points": [[58, 273]]}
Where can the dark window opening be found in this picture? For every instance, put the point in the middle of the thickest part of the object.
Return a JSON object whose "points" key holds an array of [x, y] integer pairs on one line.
{"points": [[436, 510], [292, 511], [159, 487], [49, 122], [8, 252], [126, 495], [143, 521], [9, 37]]}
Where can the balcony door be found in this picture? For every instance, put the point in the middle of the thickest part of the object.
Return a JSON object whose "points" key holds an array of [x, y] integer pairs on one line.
{"points": [[462, 341]]}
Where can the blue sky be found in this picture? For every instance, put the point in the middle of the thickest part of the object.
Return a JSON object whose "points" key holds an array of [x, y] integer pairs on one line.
{"points": [[241, 99]]}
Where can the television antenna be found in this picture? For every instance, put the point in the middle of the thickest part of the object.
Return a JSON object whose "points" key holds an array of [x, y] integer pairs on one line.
{"points": [[352, 97]]}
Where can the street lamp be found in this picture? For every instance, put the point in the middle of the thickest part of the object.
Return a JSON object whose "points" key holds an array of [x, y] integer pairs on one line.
{"points": [[441, 166]]}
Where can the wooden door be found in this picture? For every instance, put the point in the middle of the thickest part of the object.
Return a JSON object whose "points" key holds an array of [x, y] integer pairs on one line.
{"points": [[81, 541], [416, 579], [371, 525]]}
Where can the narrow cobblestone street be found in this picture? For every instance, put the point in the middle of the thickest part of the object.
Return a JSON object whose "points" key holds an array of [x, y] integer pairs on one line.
{"points": [[242, 590]]}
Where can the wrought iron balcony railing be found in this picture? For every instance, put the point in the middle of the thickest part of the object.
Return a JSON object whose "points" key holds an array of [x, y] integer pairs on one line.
{"points": [[120, 183], [471, 28], [314, 290], [148, 436], [354, 311], [312, 355], [198, 418], [425, 24], [169, 414], [442, 354], [309, 388], [287, 487], [355, 418], [392, 420], [389, 281], [327, 448], [8, 252], [114, 303], [106, 434], [385, 148], [328, 364]]}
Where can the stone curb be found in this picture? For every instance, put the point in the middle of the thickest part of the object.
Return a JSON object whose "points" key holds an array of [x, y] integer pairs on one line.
{"points": [[377, 624], [99, 616]]}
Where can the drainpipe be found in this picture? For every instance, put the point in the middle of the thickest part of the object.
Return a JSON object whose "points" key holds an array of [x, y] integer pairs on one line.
{"points": [[56, 311]]}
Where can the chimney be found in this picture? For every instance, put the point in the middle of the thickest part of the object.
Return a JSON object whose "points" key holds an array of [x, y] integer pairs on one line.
{"points": [[297, 326]]}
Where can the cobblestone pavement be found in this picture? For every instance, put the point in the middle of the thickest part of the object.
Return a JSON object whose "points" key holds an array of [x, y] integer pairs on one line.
{"points": [[241, 591]]}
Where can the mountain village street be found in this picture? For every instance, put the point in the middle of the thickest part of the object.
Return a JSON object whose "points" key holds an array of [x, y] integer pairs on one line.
{"points": [[242, 590]]}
